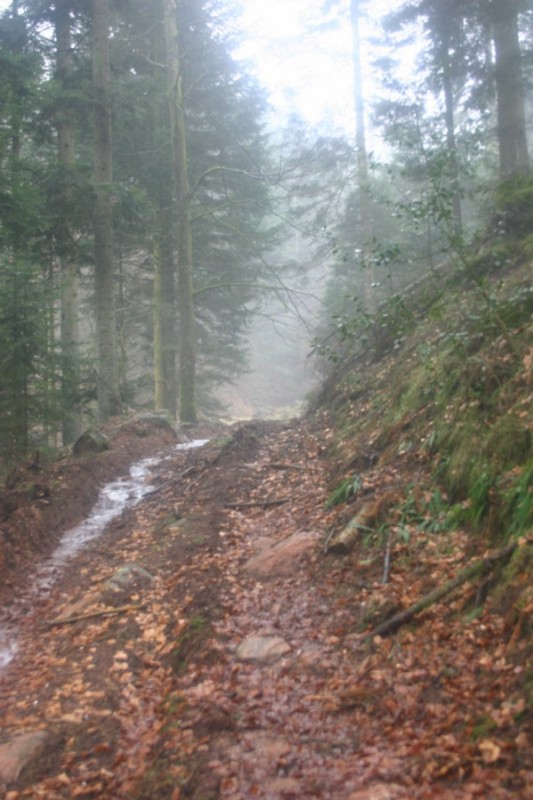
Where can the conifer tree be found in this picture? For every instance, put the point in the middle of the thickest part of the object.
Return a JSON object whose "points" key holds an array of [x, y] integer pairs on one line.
{"points": [[70, 309], [108, 392]]}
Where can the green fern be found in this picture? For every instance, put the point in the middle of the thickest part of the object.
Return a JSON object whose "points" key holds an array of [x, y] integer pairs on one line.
{"points": [[345, 491]]}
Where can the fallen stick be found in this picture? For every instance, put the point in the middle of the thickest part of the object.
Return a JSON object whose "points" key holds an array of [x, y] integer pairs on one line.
{"points": [[256, 503], [387, 560], [475, 570], [106, 612], [287, 466], [174, 479]]}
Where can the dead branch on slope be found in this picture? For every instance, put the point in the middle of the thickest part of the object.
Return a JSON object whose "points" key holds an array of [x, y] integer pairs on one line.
{"points": [[480, 568]]}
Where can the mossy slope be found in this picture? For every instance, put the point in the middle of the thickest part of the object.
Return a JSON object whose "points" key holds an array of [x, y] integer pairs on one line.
{"points": [[447, 399]]}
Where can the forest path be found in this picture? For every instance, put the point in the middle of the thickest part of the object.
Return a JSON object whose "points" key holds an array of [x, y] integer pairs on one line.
{"points": [[202, 671]]}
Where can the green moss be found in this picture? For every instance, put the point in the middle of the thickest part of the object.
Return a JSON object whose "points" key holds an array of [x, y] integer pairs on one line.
{"points": [[514, 310], [513, 201], [458, 516], [461, 468], [483, 726], [518, 501], [174, 703], [526, 246], [419, 390], [508, 442], [500, 255], [190, 643], [198, 623], [514, 579], [481, 495]]}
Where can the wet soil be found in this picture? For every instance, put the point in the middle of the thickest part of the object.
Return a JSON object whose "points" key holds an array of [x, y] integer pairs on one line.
{"points": [[40, 501]]}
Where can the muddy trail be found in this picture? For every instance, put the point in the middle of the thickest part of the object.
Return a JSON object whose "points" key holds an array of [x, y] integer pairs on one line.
{"points": [[205, 646]]}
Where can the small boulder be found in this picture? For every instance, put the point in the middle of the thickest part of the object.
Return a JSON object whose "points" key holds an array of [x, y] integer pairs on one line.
{"points": [[282, 558], [265, 649], [129, 576], [150, 421], [91, 442], [284, 787], [156, 419], [379, 791], [19, 753]]}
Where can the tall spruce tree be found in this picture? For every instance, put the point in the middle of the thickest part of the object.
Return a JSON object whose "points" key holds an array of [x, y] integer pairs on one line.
{"points": [[180, 168], [447, 65], [229, 190], [512, 136], [24, 294], [70, 304], [104, 258], [364, 220]]}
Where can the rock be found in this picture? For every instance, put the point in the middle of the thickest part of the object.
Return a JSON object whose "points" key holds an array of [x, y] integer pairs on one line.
{"points": [[273, 748], [127, 579], [91, 442], [379, 791], [19, 753], [159, 419], [162, 420], [266, 649], [283, 557], [286, 787], [262, 544], [129, 576]]}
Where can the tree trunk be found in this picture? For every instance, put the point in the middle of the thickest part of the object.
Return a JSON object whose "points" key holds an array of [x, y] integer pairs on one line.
{"points": [[187, 335], [449, 115], [164, 301], [165, 336], [108, 392], [70, 334], [364, 215], [512, 140]]}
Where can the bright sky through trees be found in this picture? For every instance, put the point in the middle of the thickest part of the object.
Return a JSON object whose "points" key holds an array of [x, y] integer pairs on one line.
{"points": [[304, 63], [306, 68]]}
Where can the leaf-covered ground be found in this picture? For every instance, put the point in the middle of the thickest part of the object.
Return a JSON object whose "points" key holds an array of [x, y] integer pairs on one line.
{"points": [[159, 700]]}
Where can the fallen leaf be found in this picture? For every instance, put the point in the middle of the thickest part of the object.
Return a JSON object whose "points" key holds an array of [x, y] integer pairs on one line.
{"points": [[490, 751]]}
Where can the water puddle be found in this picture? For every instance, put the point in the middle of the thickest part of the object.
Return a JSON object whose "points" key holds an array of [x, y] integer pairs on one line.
{"points": [[113, 499]]}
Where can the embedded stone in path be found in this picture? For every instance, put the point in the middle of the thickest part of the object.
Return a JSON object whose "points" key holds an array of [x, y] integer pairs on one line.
{"points": [[282, 558], [127, 579], [265, 649], [129, 576], [286, 787], [19, 753], [273, 748], [379, 791]]}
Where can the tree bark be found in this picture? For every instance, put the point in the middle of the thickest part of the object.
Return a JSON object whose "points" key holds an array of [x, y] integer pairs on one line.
{"points": [[70, 332], [449, 116], [187, 335], [165, 334], [108, 392], [164, 298], [512, 139], [363, 198]]}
